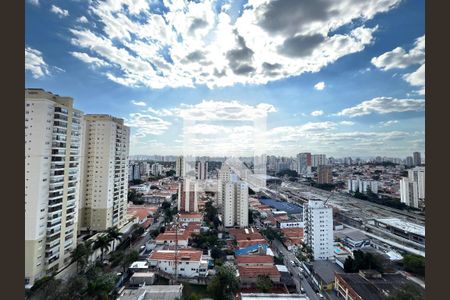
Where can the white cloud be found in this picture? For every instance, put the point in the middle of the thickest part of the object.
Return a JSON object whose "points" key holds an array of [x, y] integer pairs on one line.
{"points": [[398, 58], [319, 86], [59, 11], [147, 124], [196, 44], [34, 2], [383, 105], [93, 61], [317, 113], [388, 123], [139, 103], [417, 78], [82, 19], [347, 123], [34, 62]]}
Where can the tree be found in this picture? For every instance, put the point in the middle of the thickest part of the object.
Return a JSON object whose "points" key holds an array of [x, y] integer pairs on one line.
{"points": [[113, 234], [116, 258], [272, 234], [80, 255], [264, 283], [128, 259], [102, 243], [47, 288], [362, 261], [170, 173], [224, 284], [414, 264], [100, 286], [75, 288]]}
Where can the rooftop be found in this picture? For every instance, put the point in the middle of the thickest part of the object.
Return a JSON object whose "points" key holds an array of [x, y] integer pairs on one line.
{"points": [[151, 292], [190, 255], [325, 270], [265, 296], [252, 272], [404, 225], [254, 259]]}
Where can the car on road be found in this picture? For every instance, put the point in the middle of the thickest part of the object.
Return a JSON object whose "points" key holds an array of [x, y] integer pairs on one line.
{"points": [[320, 295], [302, 290], [293, 263], [141, 248]]}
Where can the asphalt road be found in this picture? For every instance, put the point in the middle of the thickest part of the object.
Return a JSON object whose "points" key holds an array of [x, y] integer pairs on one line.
{"points": [[297, 275]]}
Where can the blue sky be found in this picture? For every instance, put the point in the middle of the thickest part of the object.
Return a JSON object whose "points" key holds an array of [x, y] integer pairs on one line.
{"points": [[329, 77]]}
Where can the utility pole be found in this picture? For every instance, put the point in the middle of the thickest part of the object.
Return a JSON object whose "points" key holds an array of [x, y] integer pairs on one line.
{"points": [[176, 246]]}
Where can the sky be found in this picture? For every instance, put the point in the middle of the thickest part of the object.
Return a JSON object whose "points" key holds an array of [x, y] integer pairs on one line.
{"points": [[343, 78]]}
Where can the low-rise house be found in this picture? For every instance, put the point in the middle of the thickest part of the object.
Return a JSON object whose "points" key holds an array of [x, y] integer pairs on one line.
{"points": [[254, 260], [139, 266], [186, 217], [323, 273], [249, 275], [190, 262], [151, 292]]}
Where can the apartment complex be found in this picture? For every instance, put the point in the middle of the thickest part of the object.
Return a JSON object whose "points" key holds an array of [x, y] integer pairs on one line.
{"points": [[104, 171], [324, 174], [202, 170], [318, 160], [304, 163], [318, 219], [52, 171], [235, 202], [417, 159], [412, 188], [179, 166], [188, 196]]}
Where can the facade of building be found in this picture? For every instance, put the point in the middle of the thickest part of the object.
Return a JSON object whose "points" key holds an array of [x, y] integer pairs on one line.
{"points": [[235, 202], [156, 169], [104, 186], [409, 161], [362, 186], [303, 162], [188, 196], [417, 159], [179, 166], [190, 262], [318, 160], [324, 174], [318, 220], [202, 170], [412, 188], [52, 173]]}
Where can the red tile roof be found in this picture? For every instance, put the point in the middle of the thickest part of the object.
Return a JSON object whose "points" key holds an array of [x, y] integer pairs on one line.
{"points": [[254, 259], [191, 255], [190, 215], [252, 272]]}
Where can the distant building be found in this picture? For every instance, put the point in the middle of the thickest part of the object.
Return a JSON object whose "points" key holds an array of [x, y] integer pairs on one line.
{"points": [[324, 174], [362, 186], [318, 160], [318, 219], [412, 188], [179, 166], [303, 162], [202, 170], [417, 159], [190, 262], [409, 161], [188, 196], [235, 202], [156, 169]]}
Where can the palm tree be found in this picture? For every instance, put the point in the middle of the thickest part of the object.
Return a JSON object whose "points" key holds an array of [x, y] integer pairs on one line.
{"points": [[102, 243], [114, 234], [78, 255]]}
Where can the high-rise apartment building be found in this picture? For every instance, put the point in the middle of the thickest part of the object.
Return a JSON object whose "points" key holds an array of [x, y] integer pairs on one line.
{"points": [[179, 167], [412, 188], [324, 174], [417, 159], [188, 196], [223, 177], [202, 170], [318, 220], [303, 162], [156, 169], [318, 160], [409, 161], [235, 203], [52, 144], [104, 186], [362, 186]]}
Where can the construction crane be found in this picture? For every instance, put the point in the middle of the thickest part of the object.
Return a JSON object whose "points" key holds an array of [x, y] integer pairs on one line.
{"points": [[328, 198]]}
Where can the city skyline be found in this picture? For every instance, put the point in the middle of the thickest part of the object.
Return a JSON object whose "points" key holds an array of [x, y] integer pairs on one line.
{"points": [[363, 97]]}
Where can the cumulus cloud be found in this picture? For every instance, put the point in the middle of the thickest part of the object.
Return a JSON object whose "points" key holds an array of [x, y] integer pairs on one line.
{"points": [[319, 86], [399, 58], [317, 113], [195, 43], [82, 19], [92, 61], [59, 11], [34, 62], [383, 105], [147, 124], [417, 78], [139, 103], [347, 123]]}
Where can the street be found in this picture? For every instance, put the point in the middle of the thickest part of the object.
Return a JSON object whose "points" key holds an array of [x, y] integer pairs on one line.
{"points": [[297, 275]]}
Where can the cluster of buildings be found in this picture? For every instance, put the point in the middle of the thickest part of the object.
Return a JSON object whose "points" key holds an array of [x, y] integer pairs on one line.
{"points": [[412, 188], [139, 170], [76, 178]]}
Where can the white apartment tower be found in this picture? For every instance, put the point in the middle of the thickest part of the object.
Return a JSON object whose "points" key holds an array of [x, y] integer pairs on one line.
{"points": [[233, 197], [412, 188], [104, 181], [52, 170], [318, 219], [188, 196], [318, 160], [202, 170], [179, 166]]}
